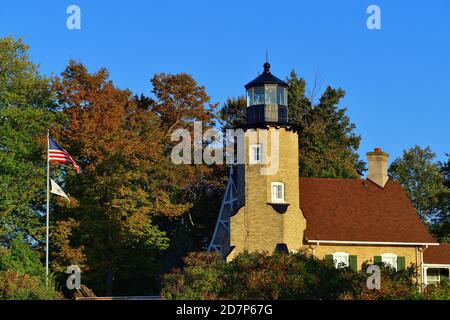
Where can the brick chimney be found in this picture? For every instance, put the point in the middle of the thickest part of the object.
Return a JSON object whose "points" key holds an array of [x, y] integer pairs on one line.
{"points": [[378, 166]]}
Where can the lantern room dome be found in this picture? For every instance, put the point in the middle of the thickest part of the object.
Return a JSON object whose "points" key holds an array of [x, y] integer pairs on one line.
{"points": [[266, 78], [267, 99]]}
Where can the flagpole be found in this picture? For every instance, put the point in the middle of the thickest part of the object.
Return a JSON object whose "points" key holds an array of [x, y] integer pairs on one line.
{"points": [[48, 208]]}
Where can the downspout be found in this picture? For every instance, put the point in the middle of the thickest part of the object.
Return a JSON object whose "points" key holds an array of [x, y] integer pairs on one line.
{"points": [[417, 263], [314, 249], [422, 273]]}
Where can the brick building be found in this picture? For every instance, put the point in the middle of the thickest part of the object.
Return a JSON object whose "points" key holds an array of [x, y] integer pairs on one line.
{"points": [[268, 207]]}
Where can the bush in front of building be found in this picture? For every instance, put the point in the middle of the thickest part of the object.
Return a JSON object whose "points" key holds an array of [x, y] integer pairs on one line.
{"points": [[440, 291], [22, 275], [286, 276], [257, 276]]}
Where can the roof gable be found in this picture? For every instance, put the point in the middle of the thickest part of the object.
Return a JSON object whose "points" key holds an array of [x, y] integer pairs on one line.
{"points": [[437, 254], [359, 210]]}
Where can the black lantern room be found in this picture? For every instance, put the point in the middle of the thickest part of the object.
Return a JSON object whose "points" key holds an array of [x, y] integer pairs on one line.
{"points": [[267, 99]]}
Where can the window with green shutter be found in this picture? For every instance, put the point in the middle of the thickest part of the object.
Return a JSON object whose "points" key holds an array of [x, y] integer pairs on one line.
{"points": [[377, 259], [401, 263], [353, 261]]}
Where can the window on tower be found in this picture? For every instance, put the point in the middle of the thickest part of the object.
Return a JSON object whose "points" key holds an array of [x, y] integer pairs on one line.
{"points": [[255, 154], [282, 96], [271, 94], [249, 97], [277, 192], [258, 95]]}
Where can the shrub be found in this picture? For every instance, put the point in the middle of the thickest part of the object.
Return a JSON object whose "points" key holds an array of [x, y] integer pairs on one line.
{"points": [[20, 257], [255, 276], [15, 285], [436, 292], [22, 275], [286, 276], [395, 285]]}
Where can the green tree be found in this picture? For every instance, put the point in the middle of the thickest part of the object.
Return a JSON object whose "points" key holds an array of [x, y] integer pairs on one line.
{"points": [[21, 84], [327, 144], [22, 275], [441, 223], [422, 179], [20, 257], [26, 112], [233, 112], [300, 107]]}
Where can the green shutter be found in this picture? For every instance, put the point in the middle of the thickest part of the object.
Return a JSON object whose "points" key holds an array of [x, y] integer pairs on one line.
{"points": [[401, 263], [377, 259], [329, 257], [353, 261]]}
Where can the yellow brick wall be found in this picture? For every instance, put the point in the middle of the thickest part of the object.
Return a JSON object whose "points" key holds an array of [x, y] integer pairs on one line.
{"points": [[366, 253], [257, 226]]}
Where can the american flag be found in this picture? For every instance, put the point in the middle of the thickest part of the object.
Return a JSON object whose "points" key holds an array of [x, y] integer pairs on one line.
{"points": [[56, 153]]}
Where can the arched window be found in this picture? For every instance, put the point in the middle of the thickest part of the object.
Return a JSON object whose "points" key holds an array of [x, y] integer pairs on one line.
{"points": [[277, 192], [390, 259], [341, 259]]}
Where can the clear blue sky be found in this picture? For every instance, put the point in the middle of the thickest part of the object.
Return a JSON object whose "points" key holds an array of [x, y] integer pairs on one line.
{"points": [[397, 79]]}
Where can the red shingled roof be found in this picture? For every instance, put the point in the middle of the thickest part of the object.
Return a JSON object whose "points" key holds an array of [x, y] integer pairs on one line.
{"points": [[437, 254], [359, 210]]}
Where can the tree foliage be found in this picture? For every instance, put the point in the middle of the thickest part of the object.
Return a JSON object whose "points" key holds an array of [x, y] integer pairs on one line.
{"points": [[441, 225], [26, 111], [130, 199], [22, 275], [233, 112], [261, 276], [254, 276], [327, 144], [21, 84], [423, 181], [132, 213], [125, 186]]}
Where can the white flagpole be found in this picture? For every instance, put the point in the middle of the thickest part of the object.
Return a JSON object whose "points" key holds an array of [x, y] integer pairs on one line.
{"points": [[48, 208]]}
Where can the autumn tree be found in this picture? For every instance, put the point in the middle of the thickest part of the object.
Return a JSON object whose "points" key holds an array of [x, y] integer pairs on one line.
{"points": [[126, 187], [179, 101], [131, 202]]}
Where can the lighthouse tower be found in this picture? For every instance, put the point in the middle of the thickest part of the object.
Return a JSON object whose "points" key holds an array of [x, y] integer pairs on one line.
{"points": [[261, 209]]}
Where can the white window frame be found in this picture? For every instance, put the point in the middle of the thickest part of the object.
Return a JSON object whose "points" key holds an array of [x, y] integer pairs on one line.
{"points": [[249, 98], [252, 159], [386, 256], [274, 199], [433, 281], [337, 260]]}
